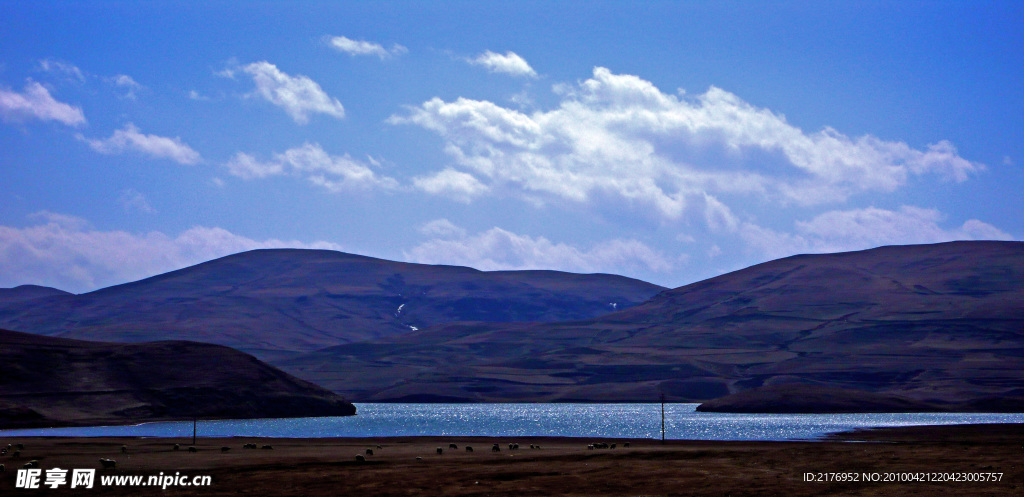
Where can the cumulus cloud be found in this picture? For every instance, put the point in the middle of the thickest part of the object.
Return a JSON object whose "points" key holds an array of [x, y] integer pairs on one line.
{"points": [[333, 172], [65, 252], [453, 184], [498, 249], [130, 138], [619, 135], [510, 63], [361, 47], [35, 102], [858, 229], [299, 95]]}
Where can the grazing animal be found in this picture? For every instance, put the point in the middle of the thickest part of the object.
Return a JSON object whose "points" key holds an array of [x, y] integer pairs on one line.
{"points": [[124, 449], [3, 452], [626, 445], [613, 446], [439, 451], [31, 464], [2, 468], [193, 449], [267, 447], [379, 447], [16, 454], [108, 463], [177, 446], [369, 452], [249, 446], [495, 448], [360, 458], [590, 447], [419, 458], [509, 446], [225, 449], [469, 449], [515, 446], [20, 446], [453, 446]]}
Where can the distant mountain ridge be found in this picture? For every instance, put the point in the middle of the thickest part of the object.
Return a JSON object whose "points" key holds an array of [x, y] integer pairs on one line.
{"points": [[24, 293], [274, 301], [941, 324], [50, 381]]}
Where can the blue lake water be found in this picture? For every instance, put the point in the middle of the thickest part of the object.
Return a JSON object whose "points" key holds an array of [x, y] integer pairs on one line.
{"points": [[522, 420]]}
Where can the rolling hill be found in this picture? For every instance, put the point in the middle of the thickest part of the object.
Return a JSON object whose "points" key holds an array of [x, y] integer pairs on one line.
{"points": [[938, 324], [272, 303], [51, 381]]}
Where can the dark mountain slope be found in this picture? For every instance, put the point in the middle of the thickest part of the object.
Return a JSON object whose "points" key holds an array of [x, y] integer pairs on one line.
{"points": [[50, 381], [941, 323], [270, 301]]}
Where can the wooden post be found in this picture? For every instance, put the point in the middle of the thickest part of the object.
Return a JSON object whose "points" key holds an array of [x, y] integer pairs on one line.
{"points": [[195, 421]]}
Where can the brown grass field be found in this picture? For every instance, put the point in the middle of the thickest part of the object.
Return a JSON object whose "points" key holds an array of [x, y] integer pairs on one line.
{"points": [[562, 466]]}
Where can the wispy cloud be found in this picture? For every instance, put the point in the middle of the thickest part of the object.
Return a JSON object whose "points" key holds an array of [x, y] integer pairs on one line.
{"points": [[299, 96], [499, 249], [130, 138], [134, 201], [35, 102], [362, 47], [61, 67], [126, 82], [332, 172], [66, 252], [857, 229], [510, 63], [456, 185]]}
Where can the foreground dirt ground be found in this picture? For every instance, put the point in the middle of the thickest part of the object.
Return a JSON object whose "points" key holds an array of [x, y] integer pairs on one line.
{"points": [[561, 466]]}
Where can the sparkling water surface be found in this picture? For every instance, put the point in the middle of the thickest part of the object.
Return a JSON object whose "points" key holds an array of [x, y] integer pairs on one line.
{"points": [[521, 420]]}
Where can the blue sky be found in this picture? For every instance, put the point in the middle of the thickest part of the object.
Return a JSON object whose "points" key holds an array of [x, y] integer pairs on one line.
{"points": [[669, 141]]}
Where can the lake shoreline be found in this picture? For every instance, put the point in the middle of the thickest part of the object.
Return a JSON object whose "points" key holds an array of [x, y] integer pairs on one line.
{"points": [[561, 466]]}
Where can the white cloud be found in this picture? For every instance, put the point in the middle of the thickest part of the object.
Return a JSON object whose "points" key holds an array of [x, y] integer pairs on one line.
{"points": [[498, 249], [510, 63], [453, 184], [131, 86], [61, 67], [620, 136], [160, 147], [195, 95], [298, 95], [333, 172], [133, 200], [360, 47], [442, 228], [35, 102], [64, 252], [857, 229]]}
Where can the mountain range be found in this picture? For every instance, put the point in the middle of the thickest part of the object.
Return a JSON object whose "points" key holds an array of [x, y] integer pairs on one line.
{"points": [[941, 324], [275, 302], [927, 327]]}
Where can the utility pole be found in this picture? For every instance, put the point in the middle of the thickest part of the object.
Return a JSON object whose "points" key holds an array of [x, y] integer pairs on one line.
{"points": [[663, 418], [195, 421]]}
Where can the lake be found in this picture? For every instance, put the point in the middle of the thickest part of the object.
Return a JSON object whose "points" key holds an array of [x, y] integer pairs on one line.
{"points": [[522, 420]]}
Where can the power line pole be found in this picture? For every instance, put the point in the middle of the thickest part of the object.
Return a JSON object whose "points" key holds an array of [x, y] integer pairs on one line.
{"points": [[195, 421], [662, 418]]}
